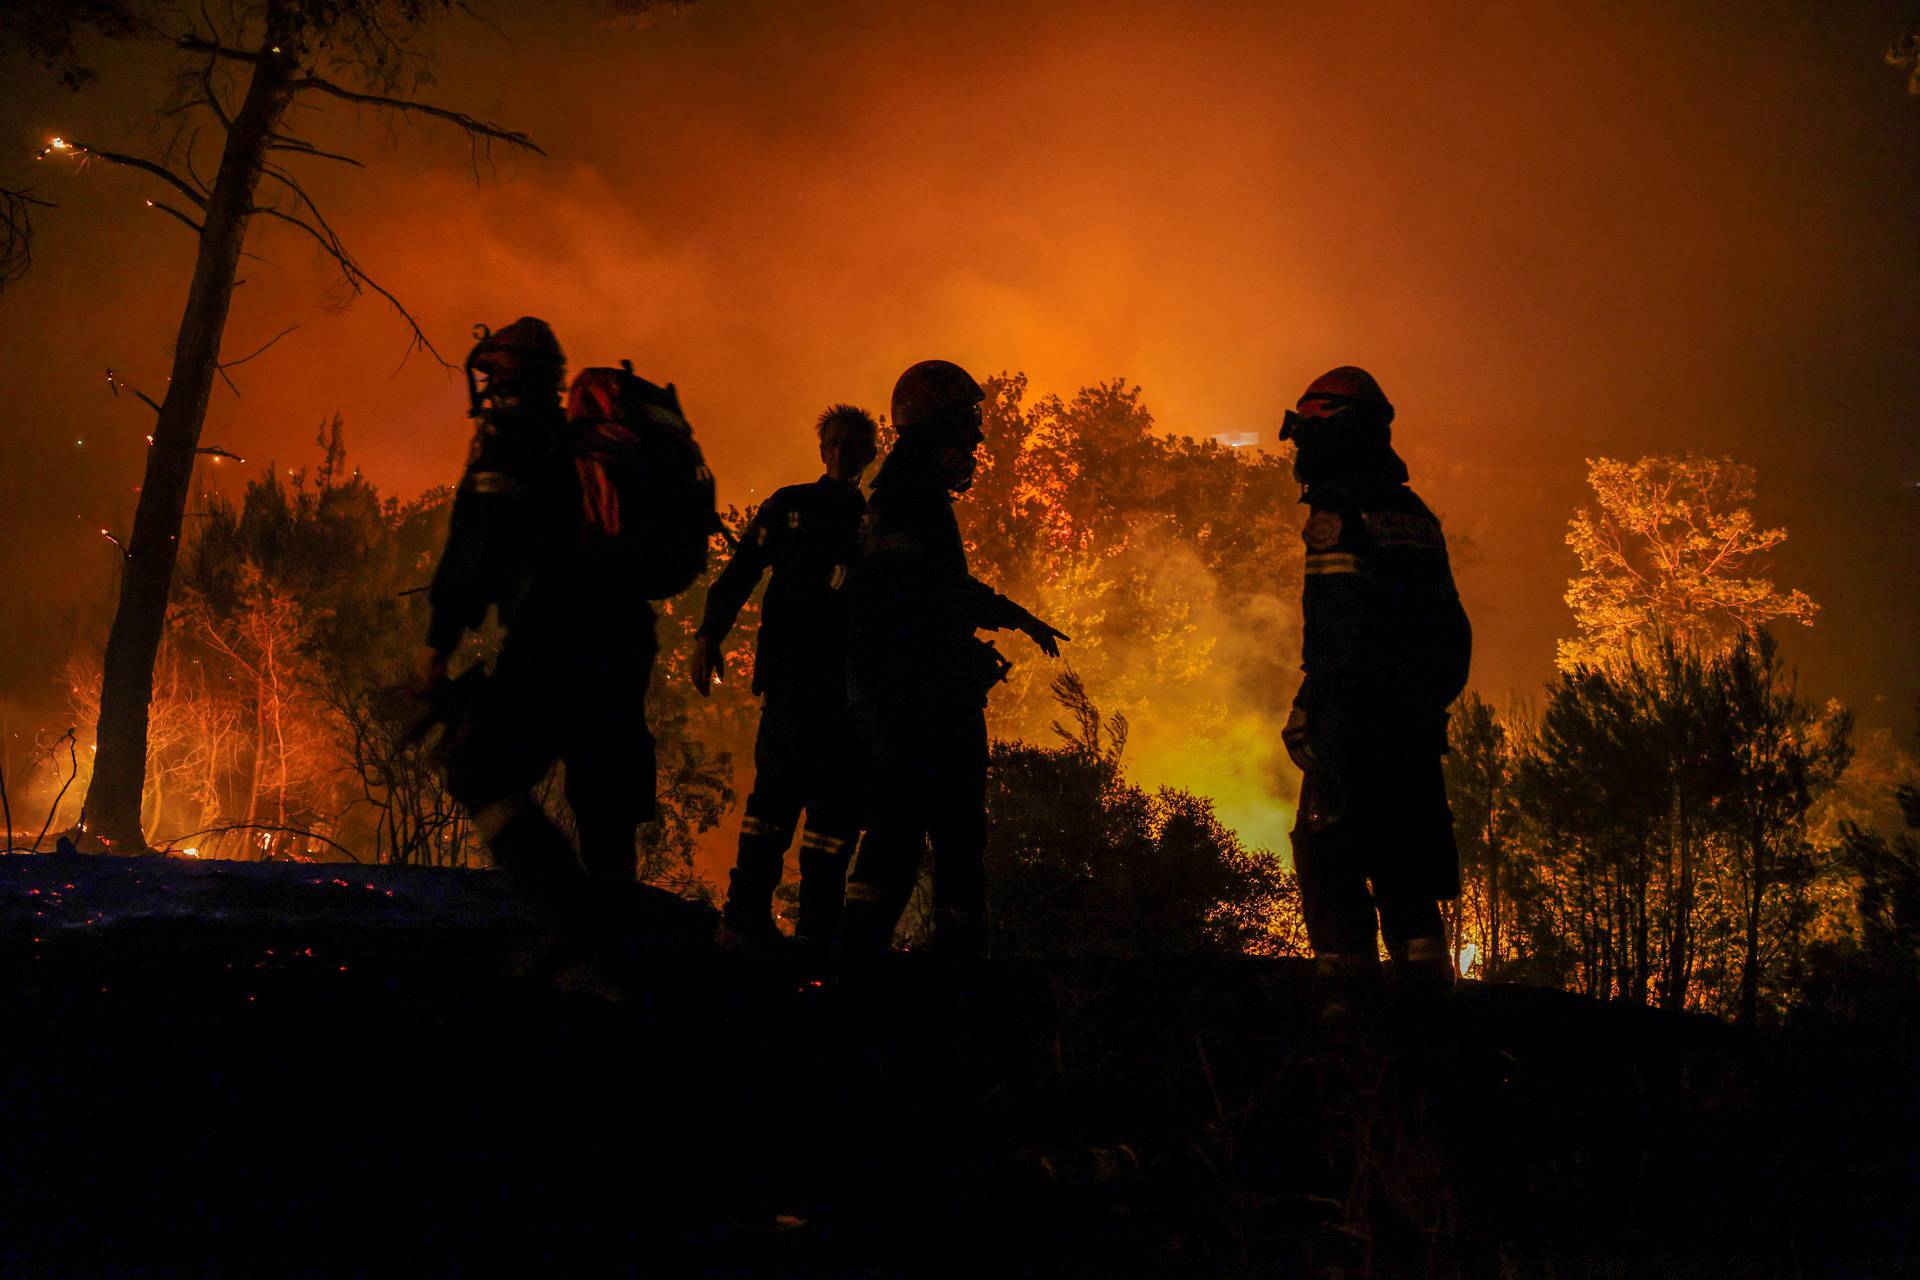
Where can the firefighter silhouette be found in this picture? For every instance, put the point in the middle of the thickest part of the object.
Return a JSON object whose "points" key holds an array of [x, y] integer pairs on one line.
{"points": [[919, 677], [804, 756], [1385, 649], [570, 680]]}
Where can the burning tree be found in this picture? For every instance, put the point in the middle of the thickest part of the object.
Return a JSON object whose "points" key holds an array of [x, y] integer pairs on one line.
{"points": [[287, 53], [1173, 562], [1480, 770], [1672, 550]]}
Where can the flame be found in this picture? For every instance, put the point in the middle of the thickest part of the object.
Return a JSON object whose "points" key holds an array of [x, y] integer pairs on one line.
{"points": [[1465, 959]]}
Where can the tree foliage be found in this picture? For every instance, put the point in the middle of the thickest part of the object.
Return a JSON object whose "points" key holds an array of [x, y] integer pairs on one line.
{"points": [[1079, 860], [1649, 837], [1671, 549], [1173, 562]]}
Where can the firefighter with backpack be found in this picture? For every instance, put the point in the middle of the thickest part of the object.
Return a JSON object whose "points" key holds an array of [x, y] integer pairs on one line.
{"points": [[804, 756], [567, 523]]}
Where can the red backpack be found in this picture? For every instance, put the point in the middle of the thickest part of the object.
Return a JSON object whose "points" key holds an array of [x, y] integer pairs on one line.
{"points": [[646, 495]]}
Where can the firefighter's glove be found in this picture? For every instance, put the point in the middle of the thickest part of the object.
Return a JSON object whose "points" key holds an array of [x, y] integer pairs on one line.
{"points": [[1323, 800], [1294, 737], [1046, 636], [708, 664]]}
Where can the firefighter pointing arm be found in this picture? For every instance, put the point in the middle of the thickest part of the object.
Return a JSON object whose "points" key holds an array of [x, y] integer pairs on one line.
{"points": [[919, 677]]}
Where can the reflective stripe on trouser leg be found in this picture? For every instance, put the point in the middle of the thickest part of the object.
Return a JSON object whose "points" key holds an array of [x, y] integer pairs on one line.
{"points": [[823, 884], [1335, 965], [1428, 955], [757, 866], [878, 890]]}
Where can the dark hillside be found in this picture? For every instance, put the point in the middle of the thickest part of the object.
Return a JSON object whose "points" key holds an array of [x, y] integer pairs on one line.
{"points": [[274, 1069]]}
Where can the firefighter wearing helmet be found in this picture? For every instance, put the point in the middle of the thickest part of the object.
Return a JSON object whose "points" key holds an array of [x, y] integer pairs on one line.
{"points": [[570, 679], [1385, 649], [919, 677]]}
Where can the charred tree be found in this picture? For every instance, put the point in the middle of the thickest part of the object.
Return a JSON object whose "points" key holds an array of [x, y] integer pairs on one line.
{"points": [[282, 49]]}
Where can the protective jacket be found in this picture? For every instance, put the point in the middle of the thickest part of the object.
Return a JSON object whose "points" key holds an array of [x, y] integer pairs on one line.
{"points": [[915, 605], [809, 535], [570, 680], [1386, 642], [510, 505]]}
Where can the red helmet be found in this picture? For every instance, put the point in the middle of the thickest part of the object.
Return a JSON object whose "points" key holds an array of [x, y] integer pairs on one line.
{"points": [[1349, 386], [1347, 395], [523, 352]]}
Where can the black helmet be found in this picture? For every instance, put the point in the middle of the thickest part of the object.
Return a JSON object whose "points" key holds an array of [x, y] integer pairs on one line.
{"points": [[524, 350], [937, 397]]}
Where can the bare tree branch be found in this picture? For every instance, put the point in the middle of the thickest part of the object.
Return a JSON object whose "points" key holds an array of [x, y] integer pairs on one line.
{"points": [[226, 827], [73, 759], [406, 105], [300, 146], [261, 349], [193, 144], [212, 96], [16, 225], [169, 209], [355, 277], [213, 49], [132, 162], [114, 383]]}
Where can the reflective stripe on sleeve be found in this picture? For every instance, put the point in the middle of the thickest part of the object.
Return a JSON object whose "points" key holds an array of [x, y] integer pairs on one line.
{"points": [[492, 482], [1333, 562]]}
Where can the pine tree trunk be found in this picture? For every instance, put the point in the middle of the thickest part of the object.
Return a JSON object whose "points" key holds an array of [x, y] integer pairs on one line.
{"points": [[112, 808], [1490, 967], [1750, 968]]}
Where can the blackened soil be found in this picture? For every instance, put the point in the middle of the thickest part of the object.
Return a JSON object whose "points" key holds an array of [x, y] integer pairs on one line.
{"points": [[262, 1069]]}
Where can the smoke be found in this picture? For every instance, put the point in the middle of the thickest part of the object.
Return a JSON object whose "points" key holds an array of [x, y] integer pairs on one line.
{"points": [[1552, 232], [1202, 674]]}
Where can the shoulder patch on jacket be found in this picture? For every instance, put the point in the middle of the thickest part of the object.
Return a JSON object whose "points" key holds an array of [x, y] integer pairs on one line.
{"points": [[1322, 531]]}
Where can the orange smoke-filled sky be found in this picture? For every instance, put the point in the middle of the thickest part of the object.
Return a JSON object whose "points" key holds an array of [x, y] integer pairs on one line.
{"points": [[1553, 231]]}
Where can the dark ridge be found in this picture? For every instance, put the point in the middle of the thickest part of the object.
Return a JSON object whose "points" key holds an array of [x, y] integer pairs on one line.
{"points": [[273, 1069]]}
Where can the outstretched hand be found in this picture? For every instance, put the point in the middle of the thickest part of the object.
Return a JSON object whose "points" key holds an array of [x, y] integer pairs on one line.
{"points": [[708, 664], [1048, 637]]}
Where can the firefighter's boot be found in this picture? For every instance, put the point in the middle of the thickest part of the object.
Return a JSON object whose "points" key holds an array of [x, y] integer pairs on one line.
{"points": [[823, 894], [746, 921]]}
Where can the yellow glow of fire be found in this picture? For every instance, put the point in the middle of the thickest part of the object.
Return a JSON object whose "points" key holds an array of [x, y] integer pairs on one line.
{"points": [[1466, 959]]}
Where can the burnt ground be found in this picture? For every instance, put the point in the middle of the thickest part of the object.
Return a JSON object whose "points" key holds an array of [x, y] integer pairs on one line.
{"points": [[267, 1069]]}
